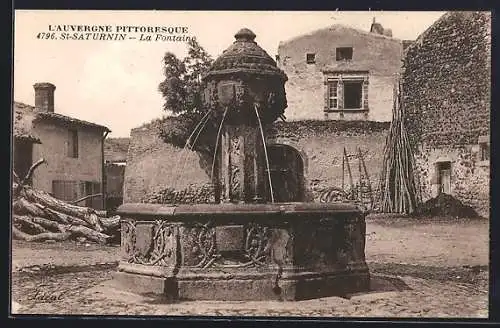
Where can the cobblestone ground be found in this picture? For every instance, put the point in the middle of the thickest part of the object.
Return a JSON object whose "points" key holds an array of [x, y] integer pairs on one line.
{"points": [[426, 270]]}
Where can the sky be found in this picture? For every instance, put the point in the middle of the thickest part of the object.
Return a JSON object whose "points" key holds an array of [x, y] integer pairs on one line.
{"points": [[115, 83]]}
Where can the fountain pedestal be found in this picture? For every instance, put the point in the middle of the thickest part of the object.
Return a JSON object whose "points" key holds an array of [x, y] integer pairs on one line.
{"points": [[243, 252]]}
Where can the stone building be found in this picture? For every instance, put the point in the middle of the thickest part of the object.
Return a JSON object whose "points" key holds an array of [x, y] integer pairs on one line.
{"points": [[341, 73], [73, 149], [446, 85]]}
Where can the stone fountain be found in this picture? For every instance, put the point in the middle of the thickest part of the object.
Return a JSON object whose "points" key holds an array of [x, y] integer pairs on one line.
{"points": [[246, 246]]}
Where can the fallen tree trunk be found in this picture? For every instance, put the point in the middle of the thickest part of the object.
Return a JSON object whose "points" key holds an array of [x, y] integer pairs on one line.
{"points": [[110, 223], [22, 206], [27, 222], [38, 216], [63, 218], [88, 233], [57, 236], [43, 198], [49, 224]]}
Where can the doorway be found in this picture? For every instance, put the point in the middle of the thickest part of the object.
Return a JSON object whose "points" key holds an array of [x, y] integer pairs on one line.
{"points": [[23, 157], [444, 177], [287, 173]]}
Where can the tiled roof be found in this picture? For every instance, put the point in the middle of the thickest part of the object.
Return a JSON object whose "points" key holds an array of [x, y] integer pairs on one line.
{"points": [[58, 117], [339, 28], [22, 120]]}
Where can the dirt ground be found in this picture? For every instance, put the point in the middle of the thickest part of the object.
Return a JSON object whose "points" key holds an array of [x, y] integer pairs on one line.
{"points": [[429, 268]]}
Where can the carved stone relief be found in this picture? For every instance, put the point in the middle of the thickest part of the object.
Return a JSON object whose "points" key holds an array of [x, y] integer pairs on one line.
{"points": [[163, 244]]}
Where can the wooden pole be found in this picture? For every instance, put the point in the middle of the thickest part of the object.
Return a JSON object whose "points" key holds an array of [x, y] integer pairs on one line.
{"points": [[349, 171], [343, 169]]}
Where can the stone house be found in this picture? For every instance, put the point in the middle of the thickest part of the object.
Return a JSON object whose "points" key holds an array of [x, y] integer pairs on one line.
{"points": [[341, 73], [446, 85], [73, 150]]}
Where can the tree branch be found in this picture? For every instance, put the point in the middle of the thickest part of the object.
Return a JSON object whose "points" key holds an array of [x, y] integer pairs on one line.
{"points": [[31, 170]]}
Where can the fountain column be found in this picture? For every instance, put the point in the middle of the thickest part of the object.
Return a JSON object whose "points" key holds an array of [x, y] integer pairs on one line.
{"points": [[242, 165], [245, 91]]}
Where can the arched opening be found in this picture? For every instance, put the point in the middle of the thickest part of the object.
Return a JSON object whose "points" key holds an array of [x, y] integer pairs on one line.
{"points": [[287, 173]]}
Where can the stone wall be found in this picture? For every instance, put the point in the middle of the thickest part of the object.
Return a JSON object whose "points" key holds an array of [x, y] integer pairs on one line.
{"points": [[446, 99], [470, 176], [321, 144], [379, 55], [154, 166], [153, 171]]}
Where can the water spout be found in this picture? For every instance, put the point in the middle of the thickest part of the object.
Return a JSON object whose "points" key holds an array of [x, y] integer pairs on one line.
{"points": [[217, 143], [265, 152], [190, 145]]}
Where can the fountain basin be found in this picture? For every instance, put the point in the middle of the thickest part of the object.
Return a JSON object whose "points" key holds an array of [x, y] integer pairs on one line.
{"points": [[235, 252]]}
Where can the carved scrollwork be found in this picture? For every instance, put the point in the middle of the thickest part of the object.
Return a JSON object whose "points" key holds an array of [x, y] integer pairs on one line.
{"points": [[257, 244], [163, 246], [235, 168], [204, 248], [240, 95], [235, 181], [128, 238], [271, 99]]}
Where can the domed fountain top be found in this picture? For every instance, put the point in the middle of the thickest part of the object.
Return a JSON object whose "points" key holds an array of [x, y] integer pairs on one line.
{"points": [[245, 56]]}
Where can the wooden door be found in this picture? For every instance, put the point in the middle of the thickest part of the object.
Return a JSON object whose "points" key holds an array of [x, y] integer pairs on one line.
{"points": [[445, 181]]}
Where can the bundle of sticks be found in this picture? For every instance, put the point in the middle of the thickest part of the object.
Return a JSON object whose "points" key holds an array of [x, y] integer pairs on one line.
{"points": [[398, 188], [38, 216]]}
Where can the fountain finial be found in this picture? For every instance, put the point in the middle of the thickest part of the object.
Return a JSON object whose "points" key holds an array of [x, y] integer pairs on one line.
{"points": [[245, 34]]}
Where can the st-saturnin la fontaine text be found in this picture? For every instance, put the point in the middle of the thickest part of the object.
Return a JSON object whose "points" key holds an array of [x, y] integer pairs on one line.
{"points": [[116, 33]]}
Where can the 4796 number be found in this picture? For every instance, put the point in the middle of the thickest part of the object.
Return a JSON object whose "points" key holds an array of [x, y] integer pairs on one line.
{"points": [[46, 36]]}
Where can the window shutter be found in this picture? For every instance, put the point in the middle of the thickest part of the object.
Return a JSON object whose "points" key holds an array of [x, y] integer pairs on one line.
{"points": [[340, 93], [365, 93], [326, 93]]}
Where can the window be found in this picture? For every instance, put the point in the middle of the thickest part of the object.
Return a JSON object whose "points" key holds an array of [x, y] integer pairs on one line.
{"points": [[353, 94], [71, 190], [73, 143], [346, 92], [311, 58], [344, 53], [333, 100], [66, 190]]}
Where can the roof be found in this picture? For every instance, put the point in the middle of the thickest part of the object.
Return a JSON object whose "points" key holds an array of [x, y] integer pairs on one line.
{"points": [[46, 116], [244, 55], [22, 121], [340, 27]]}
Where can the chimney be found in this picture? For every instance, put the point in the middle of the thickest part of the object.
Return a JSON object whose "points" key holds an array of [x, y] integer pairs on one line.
{"points": [[377, 27], [44, 96]]}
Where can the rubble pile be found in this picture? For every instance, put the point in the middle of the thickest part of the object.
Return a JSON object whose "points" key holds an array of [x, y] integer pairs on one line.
{"points": [[445, 205]]}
